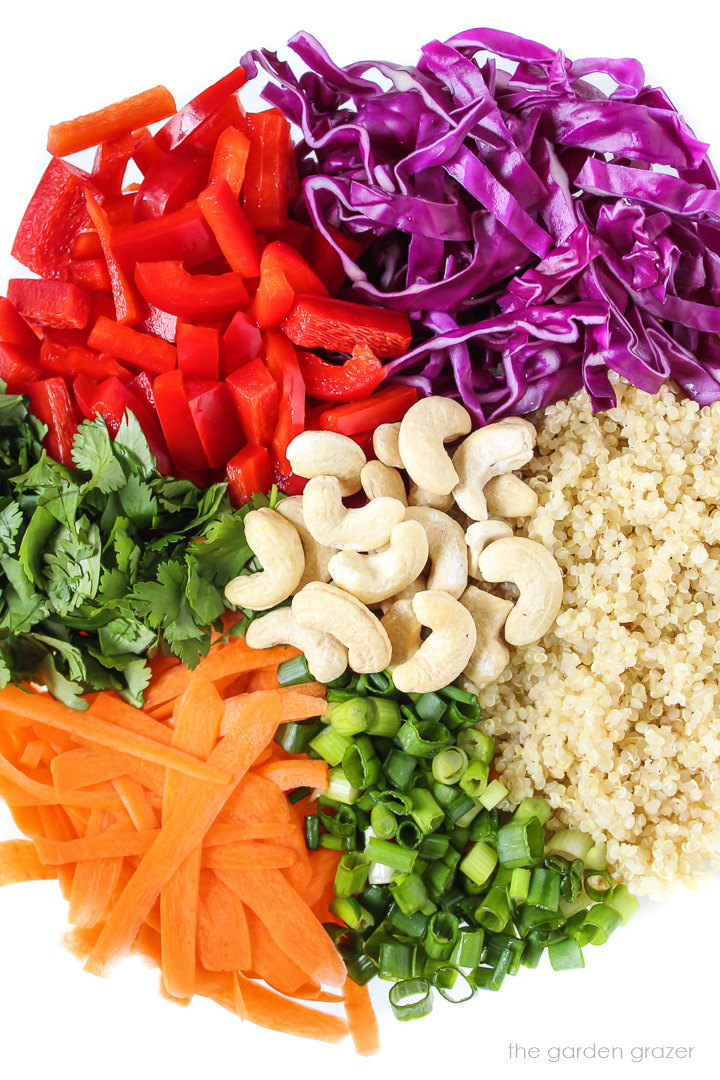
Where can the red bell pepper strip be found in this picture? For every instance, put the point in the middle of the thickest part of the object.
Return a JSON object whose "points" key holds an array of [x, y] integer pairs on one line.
{"points": [[86, 245], [172, 181], [84, 390], [146, 151], [17, 368], [235, 235], [159, 323], [240, 343], [325, 260], [110, 122], [110, 164], [119, 209], [176, 420], [141, 386], [293, 233], [112, 400], [320, 322], [215, 419], [248, 473], [269, 174], [51, 303], [91, 274], [186, 121], [139, 350], [279, 255], [13, 328], [169, 287], [55, 215], [384, 407], [283, 366], [256, 396], [273, 300], [198, 351], [356, 378], [183, 235], [70, 361], [50, 402], [230, 159], [127, 309]]}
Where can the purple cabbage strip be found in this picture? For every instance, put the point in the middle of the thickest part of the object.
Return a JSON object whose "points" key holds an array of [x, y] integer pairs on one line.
{"points": [[540, 232]]}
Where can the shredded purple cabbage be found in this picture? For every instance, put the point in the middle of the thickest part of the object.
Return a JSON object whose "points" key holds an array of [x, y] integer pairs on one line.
{"points": [[539, 231]]}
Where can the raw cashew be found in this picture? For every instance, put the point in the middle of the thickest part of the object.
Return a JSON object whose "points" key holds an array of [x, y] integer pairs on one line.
{"points": [[534, 571], [424, 429], [488, 452], [490, 656], [508, 496], [326, 453], [378, 480], [447, 549], [333, 611], [403, 629], [333, 525], [383, 573], [416, 586], [326, 657], [276, 544], [385, 445], [421, 497], [445, 653], [317, 557], [479, 535]]}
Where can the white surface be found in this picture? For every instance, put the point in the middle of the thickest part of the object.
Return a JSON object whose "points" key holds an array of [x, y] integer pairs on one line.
{"points": [[654, 985]]}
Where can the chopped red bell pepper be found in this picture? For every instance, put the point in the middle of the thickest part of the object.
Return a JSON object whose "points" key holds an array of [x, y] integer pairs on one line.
{"points": [[110, 164], [169, 287], [283, 366], [127, 309], [84, 390], [120, 209], [235, 235], [146, 151], [269, 174], [50, 402], [159, 323], [91, 274], [184, 236], [256, 395], [176, 420], [384, 407], [279, 255], [13, 328], [112, 400], [110, 122], [319, 322], [325, 260], [172, 181], [72, 360], [55, 215], [273, 300], [248, 473], [240, 343], [86, 245], [141, 386], [139, 350], [293, 233], [230, 159], [17, 368], [215, 419], [186, 121], [198, 349], [356, 378], [51, 303]]}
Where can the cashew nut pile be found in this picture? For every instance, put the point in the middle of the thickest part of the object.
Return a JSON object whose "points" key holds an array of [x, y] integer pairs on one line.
{"points": [[385, 585]]}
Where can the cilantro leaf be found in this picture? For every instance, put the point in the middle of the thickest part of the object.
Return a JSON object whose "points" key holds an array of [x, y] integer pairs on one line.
{"points": [[131, 447], [11, 518], [138, 502], [92, 451]]}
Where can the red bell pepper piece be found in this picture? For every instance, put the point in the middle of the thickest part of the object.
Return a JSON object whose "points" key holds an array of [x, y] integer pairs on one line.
{"points": [[112, 400], [17, 368], [183, 235], [141, 386], [176, 420], [50, 402], [273, 300], [257, 397], [13, 328], [384, 407], [198, 349], [230, 114], [172, 181], [159, 323], [146, 151], [235, 235], [186, 121], [139, 350], [248, 473], [119, 209], [110, 164], [86, 245], [84, 390], [55, 215], [356, 378], [70, 361], [110, 122], [126, 304], [293, 233], [240, 343], [283, 366], [91, 274], [51, 303], [215, 420], [325, 260], [318, 322], [270, 180], [302, 279], [169, 287], [230, 159]]}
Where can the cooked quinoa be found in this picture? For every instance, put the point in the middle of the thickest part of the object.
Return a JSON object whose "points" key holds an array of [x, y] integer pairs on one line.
{"points": [[615, 715]]}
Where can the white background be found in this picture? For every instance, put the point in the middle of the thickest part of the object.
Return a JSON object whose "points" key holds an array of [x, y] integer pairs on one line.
{"points": [[655, 983]]}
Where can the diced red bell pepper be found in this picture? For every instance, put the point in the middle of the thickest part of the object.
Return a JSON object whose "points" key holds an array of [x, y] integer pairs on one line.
{"points": [[137, 349], [230, 159], [146, 151], [55, 215], [198, 349], [110, 122], [119, 209], [169, 287], [269, 182], [91, 274], [283, 366], [325, 260], [50, 401], [293, 233], [184, 236], [112, 400], [176, 420], [127, 309], [70, 361], [240, 343], [384, 407], [141, 386], [17, 368], [86, 245], [215, 419], [248, 473], [273, 300], [279, 255], [319, 322], [356, 378], [110, 164], [84, 390], [14, 330], [172, 181], [256, 395], [186, 121], [230, 114], [235, 235], [51, 303]]}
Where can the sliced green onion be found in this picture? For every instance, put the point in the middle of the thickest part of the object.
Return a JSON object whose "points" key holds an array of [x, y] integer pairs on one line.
{"points": [[596, 858], [430, 707], [598, 885], [383, 822], [360, 764], [443, 794], [341, 822], [520, 843], [361, 969], [312, 832], [298, 794], [544, 891], [377, 682], [460, 716], [330, 745], [409, 893], [351, 874], [339, 787], [454, 693], [389, 854], [460, 838], [295, 671], [565, 954], [397, 961], [413, 926], [348, 717], [396, 801], [383, 717], [441, 935], [493, 794], [422, 738], [485, 826], [623, 902], [411, 999], [399, 767], [425, 812], [438, 878], [459, 807], [347, 694], [435, 846], [533, 807], [534, 948], [475, 778], [482, 978], [571, 843], [372, 945], [468, 948], [493, 911], [479, 862], [351, 912], [446, 986], [449, 765], [519, 885], [599, 923], [377, 901], [336, 843], [506, 951], [294, 738], [477, 745], [536, 918], [409, 834], [452, 857]]}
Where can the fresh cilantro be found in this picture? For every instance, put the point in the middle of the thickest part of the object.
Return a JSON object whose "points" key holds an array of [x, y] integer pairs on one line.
{"points": [[92, 451]]}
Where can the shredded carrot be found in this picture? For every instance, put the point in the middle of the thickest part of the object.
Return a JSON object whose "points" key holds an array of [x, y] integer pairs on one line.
{"points": [[298, 772], [223, 938], [248, 855], [19, 862], [94, 880], [361, 1018], [136, 801]]}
